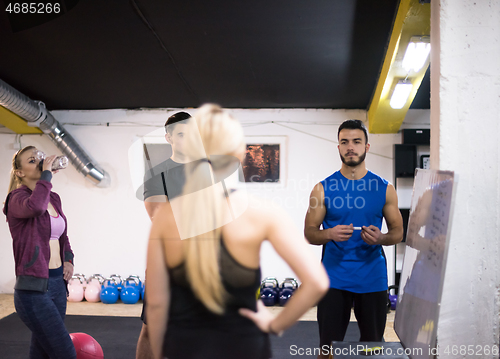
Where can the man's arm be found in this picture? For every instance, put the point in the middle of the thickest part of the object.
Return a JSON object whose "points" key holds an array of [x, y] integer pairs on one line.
{"points": [[157, 283], [392, 215], [155, 193], [153, 203], [315, 216]]}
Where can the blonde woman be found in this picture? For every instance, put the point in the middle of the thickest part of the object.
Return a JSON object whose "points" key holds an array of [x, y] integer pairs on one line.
{"points": [[42, 254], [203, 256]]}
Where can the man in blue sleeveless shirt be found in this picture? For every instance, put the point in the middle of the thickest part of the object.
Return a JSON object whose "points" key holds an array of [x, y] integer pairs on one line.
{"points": [[350, 205]]}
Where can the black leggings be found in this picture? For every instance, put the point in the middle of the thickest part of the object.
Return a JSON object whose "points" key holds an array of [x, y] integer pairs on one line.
{"points": [[334, 312]]}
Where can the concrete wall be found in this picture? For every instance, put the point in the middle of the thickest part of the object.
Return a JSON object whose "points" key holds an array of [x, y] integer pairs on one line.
{"points": [[465, 125], [109, 227]]}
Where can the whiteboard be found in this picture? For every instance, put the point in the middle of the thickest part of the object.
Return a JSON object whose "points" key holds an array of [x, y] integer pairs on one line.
{"points": [[424, 263]]}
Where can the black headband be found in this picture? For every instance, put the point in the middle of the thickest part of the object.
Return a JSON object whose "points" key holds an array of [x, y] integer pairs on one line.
{"points": [[15, 158]]}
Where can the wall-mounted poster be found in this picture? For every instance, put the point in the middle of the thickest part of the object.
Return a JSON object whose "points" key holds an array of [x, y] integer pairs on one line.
{"points": [[264, 160]]}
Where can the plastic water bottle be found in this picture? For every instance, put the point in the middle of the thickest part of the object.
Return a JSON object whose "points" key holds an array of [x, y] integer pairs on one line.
{"points": [[61, 162]]}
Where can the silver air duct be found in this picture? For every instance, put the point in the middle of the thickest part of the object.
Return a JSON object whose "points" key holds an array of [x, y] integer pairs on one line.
{"points": [[37, 116]]}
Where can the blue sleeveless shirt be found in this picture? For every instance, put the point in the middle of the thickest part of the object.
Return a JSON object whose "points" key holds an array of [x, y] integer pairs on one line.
{"points": [[354, 265]]}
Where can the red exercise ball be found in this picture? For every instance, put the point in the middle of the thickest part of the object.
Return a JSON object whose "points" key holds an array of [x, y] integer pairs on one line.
{"points": [[86, 347]]}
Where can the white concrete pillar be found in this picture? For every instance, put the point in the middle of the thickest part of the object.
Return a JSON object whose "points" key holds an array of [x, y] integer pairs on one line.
{"points": [[465, 131]]}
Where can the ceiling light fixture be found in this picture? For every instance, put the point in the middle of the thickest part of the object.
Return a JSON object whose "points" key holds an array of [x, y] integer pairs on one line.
{"points": [[400, 94], [416, 53]]}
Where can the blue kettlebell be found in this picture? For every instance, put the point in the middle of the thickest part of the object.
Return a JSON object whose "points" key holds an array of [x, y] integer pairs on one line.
{"points": [[287, 288], [269, 291], [109, 292], [130, 291], [393, 298], [118, 281], [141, 287]]}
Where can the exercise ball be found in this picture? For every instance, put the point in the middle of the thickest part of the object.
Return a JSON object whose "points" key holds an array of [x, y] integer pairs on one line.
{"points": [[86, 347]]}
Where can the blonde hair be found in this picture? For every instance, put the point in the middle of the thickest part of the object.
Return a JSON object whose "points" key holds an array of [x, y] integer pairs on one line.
{"points": [[215, 140], [15, 181]]}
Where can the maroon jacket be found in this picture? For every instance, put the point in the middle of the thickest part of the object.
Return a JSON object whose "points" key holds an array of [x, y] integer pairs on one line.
{"points": [[29, 224]]}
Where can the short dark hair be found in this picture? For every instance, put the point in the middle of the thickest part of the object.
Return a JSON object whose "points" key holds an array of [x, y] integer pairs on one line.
{"points": [[353, 125], [176, 117]]}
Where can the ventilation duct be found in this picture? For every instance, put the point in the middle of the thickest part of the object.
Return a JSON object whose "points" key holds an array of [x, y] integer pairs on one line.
{"points": [[37, 116]]}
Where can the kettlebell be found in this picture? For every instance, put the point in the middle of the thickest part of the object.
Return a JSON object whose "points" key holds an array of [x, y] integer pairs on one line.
{"points": [[269, 291], [130, 291], [80, 275], [96, 278], [83, 279], [93, 289], [143, 289], [287, 288], [118, 281], [75, 289], [109, 292], [393, 298], [140, 285]]}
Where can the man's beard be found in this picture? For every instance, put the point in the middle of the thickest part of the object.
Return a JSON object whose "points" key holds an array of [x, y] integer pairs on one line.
{"points": [[353, 163]]}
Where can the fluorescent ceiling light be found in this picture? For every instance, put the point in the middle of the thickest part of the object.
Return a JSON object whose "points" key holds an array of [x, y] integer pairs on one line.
{"points": [[416, 53], [400, 94]]}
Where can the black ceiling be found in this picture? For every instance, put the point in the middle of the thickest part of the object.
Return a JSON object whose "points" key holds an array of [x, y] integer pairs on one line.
{"points": [[101, 54]]}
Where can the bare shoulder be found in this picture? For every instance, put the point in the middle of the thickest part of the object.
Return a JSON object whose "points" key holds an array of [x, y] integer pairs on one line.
{"points": [[264, 208], [391, 194], [318, 187], [390, 186], [318, 192]]}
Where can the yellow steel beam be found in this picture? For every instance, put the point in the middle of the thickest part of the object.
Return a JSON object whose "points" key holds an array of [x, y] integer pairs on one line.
{"points": [[15, 123], [412, 19]]}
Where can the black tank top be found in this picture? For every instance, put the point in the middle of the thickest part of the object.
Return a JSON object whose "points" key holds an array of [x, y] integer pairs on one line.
{"points": [[240, 282], [193, 332]]}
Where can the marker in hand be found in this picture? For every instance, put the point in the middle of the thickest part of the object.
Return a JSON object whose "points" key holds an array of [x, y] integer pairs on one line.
{"points": [[357, 228]]}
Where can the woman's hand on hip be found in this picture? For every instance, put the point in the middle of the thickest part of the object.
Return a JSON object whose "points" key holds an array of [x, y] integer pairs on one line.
{"points": [[262, 318], [67, 271]]}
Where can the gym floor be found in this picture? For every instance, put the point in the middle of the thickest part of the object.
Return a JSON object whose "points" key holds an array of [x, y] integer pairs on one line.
{"points": [[134, 310]]}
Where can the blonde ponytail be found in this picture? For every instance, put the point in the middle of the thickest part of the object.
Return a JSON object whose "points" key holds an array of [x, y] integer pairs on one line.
{"points": [[211, 133], [15, 181], [202, 250]]}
